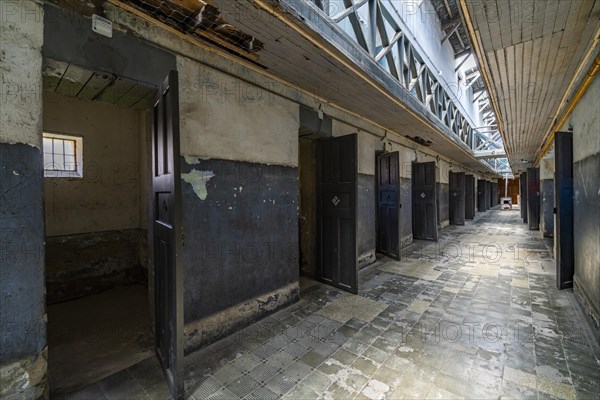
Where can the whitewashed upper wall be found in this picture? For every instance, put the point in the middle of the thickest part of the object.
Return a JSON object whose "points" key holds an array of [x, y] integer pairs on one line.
{"points": [[224, 117], [21, 38], [585, 120]]}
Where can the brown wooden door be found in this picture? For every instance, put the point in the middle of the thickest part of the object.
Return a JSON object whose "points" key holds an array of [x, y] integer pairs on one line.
{"points": [[388, 204], [337, 190], [168, 275], [424, 201]]}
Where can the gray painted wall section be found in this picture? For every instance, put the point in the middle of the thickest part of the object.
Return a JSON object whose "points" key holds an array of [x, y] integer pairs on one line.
{"points": [[22, 303], [585, 121], [406, 234], [586, 181], [241, 232], [80, 265]]}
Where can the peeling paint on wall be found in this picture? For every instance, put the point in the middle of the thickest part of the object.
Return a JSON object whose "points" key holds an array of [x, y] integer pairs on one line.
{"points": [[191, 160], [198, 180]]}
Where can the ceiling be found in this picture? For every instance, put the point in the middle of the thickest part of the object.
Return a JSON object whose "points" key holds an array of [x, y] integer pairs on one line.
{"points": [[531, 51], [73, 81], [449, 15]]}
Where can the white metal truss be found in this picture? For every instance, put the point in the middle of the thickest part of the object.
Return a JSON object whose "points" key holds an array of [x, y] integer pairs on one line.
{"points": [[375, 26]]}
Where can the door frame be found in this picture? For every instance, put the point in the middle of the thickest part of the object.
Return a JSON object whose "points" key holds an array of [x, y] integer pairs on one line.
{"points": [[378, 157], [173, 365]]}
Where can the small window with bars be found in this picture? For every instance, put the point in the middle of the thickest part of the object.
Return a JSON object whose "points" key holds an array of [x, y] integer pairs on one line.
{"points": [[63, 156]]}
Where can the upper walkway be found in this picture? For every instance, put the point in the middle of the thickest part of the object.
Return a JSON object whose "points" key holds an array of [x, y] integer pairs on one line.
{"points": [[475, 315]]}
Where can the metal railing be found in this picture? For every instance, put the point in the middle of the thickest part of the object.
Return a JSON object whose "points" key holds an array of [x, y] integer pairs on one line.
{"points": [[375, 26]]}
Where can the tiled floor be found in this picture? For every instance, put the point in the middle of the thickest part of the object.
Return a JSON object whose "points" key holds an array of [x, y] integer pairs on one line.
{"points": [[480, 318]]}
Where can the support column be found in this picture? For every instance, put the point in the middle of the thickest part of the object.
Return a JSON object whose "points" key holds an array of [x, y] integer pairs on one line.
{"points": [[23, 350]]}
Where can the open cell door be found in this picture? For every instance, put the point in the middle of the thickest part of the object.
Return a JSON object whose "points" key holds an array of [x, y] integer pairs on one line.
{"points": [[337, 190], [457, 198], [388, 204], [469, 197], [168, 276], [563, 200], [488, 194], [481, 195], [424, 201]]}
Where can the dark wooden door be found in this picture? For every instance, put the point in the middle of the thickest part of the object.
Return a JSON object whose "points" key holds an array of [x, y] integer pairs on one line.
{"points": [[563, 200], [424, 201], [488, 194], [457, 198], [533, 198], [388, 204], [469, 197], [337, 170], [523, 189], [481, 195], [168, 276]]}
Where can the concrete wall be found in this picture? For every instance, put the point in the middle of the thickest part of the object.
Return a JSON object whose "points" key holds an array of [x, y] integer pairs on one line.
{"points": [[96, 225], [23, 351], [107, 198], [585, 121], [239, 162]]}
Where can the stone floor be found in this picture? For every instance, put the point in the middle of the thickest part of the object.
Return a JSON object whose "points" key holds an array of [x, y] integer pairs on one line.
{"points": [[475, 315], [105, 337]]}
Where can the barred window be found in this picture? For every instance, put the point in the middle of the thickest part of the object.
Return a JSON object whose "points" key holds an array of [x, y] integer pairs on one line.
{"points": [[63, 156]]}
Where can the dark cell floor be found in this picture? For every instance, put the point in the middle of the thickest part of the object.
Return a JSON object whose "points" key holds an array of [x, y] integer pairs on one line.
{"points": [[93, 337], [475, 315]]}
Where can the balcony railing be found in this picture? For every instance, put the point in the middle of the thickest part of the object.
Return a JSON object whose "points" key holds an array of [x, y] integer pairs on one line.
{"points": [[375, 26]]}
